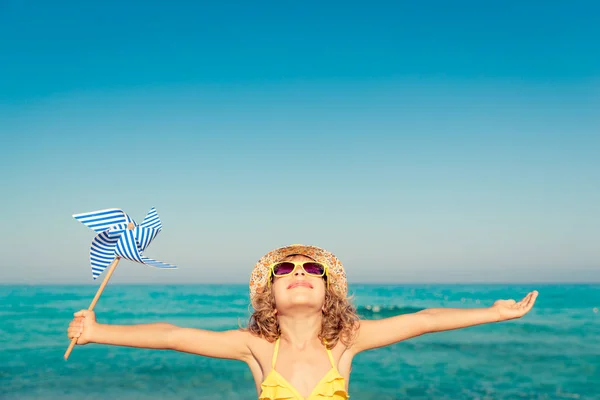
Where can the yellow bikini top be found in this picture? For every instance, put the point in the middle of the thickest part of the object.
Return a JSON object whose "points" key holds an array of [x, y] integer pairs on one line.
{"points": [[275, 387]]}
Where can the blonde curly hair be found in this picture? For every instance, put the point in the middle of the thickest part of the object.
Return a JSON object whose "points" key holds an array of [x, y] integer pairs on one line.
{"points": [[340, 320]]}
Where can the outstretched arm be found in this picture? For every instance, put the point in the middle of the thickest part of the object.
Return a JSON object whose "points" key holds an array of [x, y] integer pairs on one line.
{"points": [[229, 344], [378, 333]]}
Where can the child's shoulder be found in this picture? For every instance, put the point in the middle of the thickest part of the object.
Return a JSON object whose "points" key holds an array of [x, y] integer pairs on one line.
{"points": [[257, 341], [253, 340]]}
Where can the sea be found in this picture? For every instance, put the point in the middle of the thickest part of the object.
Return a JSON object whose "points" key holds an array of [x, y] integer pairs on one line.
{"points": [[553, 352]]}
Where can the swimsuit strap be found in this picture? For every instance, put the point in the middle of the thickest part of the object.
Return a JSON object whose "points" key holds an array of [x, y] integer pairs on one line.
{"points": [[275, 353], [330, 357]]}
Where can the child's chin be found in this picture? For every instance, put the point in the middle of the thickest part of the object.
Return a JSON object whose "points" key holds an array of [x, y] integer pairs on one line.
{"points": [[307, 299]]}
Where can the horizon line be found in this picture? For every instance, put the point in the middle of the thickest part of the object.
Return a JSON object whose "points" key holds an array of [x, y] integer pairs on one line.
{"points": [[574, 283]]}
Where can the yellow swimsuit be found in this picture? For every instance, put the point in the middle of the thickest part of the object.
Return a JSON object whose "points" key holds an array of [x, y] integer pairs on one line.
{"points": [[275, 387]]}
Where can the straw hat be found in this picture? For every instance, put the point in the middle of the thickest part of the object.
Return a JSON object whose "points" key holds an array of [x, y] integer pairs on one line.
{"points": [[260, 274]]}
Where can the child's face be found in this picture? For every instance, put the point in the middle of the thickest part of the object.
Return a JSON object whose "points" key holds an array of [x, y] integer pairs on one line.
{"points": [[299, 290]]}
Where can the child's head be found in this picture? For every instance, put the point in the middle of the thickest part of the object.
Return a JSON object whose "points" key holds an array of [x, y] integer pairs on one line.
{"points": [[299, 281], [298, 285]]}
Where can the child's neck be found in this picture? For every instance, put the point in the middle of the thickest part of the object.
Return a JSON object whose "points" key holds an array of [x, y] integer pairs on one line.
{"points": [[300, 332]]}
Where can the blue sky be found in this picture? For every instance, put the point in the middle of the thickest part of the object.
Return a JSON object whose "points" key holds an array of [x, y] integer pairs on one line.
{"points": [[418, 142]]}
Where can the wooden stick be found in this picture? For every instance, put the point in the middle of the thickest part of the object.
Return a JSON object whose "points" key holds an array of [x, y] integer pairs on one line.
{"points": [[98, 293]]}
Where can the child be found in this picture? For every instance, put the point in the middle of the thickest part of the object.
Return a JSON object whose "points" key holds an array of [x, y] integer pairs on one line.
{"points": [[303, 333]]}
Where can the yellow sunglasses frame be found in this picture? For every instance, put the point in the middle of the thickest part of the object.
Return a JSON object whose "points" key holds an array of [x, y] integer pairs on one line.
{"points": [[301, 265]]}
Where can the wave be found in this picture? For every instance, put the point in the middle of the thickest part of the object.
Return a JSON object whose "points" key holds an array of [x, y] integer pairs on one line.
{"points": [[377, 311]]}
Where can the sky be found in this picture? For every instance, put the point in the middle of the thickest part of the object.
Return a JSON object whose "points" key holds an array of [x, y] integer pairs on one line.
{"points": [[420, 142]]}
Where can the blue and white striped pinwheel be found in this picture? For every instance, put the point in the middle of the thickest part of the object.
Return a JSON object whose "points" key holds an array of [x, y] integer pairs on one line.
{"points": [[119, 236]]}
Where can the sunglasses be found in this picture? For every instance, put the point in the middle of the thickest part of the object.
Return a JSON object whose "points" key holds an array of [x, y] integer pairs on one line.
{"points": [[312, 268], [285, 268]]}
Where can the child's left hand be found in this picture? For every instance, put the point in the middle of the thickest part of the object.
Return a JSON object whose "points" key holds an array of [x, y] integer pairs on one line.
{"points": [[510, 309]]}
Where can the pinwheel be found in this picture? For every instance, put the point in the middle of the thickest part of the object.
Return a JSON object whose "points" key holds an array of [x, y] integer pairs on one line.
{"points": [[118, 237]]}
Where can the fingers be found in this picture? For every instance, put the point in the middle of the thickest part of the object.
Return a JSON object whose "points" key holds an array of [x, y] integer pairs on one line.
{"points": [[531, 299], [74, 333], [76, 323], [83, 313], [75, 329], [525, 305], [524, 301]]}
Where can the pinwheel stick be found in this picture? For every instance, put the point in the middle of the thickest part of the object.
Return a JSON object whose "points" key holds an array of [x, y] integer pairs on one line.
{"points": [[93, 304]]}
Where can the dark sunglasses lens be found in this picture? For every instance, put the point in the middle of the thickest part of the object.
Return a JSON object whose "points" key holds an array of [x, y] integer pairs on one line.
{"points": [[314, 268], [283, 268]]}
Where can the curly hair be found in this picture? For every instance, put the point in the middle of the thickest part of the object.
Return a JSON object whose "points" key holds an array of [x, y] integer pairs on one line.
{"points": [[340, 320]]}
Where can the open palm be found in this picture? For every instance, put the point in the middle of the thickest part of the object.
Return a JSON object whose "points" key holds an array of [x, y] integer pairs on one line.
{"points": [[510, 309]]}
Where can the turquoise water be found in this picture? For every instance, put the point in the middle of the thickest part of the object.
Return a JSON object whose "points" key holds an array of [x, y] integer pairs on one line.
{"points": [[551, 353]]}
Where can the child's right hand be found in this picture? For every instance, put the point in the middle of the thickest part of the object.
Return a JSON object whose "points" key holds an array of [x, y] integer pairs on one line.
{"points": [[82, 326]]}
